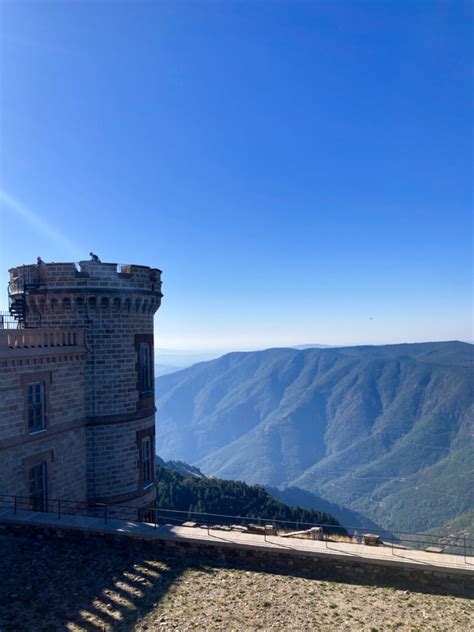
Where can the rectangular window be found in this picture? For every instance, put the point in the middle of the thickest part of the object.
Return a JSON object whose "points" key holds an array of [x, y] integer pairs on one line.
{"points": [[36, 407], [147, 461], [38, 486], [144, 368]]}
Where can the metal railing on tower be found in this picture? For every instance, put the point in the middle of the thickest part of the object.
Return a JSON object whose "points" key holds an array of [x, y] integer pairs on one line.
{"points": [[30, 278]]}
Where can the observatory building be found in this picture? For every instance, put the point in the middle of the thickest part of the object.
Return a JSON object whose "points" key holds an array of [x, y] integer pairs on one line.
{"points": [[77, 406]]}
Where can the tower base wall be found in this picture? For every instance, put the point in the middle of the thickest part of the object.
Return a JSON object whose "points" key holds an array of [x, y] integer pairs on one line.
{"points": [[114, 472]]}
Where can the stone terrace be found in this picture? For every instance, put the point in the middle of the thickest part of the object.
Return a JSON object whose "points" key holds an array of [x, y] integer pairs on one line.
{"points": [[90, 585], [382, 564]]}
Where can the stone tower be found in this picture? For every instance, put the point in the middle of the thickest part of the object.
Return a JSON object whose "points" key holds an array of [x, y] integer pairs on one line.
{"points": [[114, 305]]}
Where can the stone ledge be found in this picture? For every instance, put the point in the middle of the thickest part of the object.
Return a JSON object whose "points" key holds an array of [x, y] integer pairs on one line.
{"points": [[330, 564]]}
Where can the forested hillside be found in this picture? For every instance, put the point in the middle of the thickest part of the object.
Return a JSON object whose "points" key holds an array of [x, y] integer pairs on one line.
{"points": [[211, 495], [386, 431]]}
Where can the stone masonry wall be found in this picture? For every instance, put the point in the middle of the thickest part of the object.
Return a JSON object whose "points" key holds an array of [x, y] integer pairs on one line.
{"points": [[111, 366], [115, 306], [87, 274], [63, 443], [112, 307], [113, 454], [65, 373], [66, 458], [354, 570]]}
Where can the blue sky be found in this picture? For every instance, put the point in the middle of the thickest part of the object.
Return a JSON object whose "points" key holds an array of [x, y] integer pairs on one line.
{"points": [[301, 171]]}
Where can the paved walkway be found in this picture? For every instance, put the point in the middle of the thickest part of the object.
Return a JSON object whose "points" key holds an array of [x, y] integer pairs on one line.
{"points": [[383, 555]]}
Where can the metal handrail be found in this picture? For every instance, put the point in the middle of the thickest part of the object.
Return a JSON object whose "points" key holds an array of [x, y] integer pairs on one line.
{"points": [[59, 507], [7, 321], [31, 276]]}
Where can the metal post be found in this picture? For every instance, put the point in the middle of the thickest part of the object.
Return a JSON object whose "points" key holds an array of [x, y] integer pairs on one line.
{"points": [[265, 532], [465, 561]]}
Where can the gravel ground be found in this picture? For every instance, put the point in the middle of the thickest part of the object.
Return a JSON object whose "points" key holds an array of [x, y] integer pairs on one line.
{"points": [[58, 585]]}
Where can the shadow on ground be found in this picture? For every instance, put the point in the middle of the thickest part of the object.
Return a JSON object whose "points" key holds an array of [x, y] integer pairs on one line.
{"points": [[64, 585], [90, 585]]}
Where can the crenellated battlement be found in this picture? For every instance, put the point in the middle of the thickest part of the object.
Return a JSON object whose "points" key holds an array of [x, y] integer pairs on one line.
{"points": [[85, 275], [62, 290]]}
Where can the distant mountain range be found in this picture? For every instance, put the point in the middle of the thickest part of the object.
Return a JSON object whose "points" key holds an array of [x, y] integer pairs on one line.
{"points": [[312, 346], [164, 369], [172, 360], [383, 431]]}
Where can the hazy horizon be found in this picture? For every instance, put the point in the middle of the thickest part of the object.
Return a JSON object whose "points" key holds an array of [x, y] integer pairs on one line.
{"points": [[166, 355]]}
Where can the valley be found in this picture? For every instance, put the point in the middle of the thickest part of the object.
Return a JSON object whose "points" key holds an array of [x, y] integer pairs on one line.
{"points": [[385, 432]]}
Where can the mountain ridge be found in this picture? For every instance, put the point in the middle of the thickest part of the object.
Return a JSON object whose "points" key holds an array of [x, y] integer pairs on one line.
{"points": [[353, 425]]}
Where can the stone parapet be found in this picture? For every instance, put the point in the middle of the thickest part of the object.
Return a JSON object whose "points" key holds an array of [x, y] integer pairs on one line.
{"points": [[63, 295], [86, 275], [327, 565], [16, 339]]}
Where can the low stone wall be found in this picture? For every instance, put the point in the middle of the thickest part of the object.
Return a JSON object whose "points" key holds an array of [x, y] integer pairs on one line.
{"points": [[358, 571]]}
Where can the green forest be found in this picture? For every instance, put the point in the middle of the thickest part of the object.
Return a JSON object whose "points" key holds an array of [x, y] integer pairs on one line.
{"points": [[232, 498]]}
